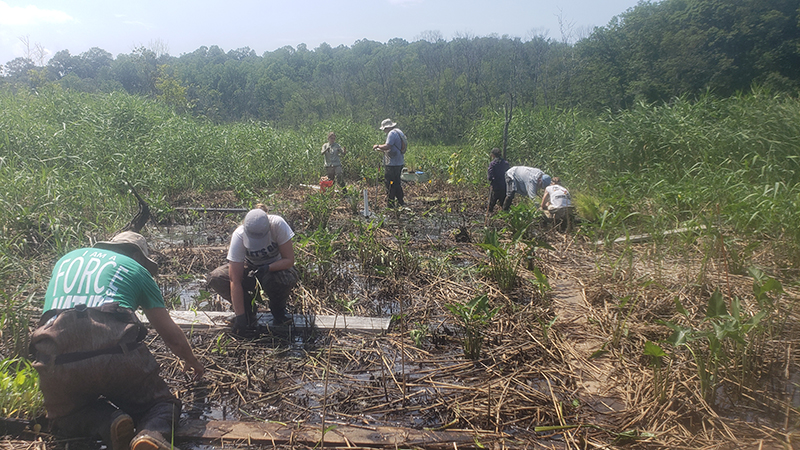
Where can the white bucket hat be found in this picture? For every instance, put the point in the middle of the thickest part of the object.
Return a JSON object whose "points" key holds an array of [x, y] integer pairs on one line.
{"points": [[130, 243], [387, 123]]}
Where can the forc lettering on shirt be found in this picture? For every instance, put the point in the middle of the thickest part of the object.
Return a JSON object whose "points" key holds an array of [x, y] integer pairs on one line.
{"points": [[81, 278]]}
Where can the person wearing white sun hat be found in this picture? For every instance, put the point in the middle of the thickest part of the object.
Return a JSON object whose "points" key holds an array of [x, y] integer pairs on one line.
{"points": [[393, 150]]}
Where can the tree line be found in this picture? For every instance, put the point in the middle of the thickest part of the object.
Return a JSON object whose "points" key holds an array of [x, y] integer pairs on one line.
{"points": [[653, 52]]}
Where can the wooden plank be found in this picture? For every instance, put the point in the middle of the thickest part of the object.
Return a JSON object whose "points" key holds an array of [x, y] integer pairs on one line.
{"points": [[219, 319], [198, 249], [638, 238], [196, 319], [343, 435], [191, 208], [353, 323]]}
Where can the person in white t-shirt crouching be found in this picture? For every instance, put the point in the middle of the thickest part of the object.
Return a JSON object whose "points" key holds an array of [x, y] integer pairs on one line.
{"points": [[556, 202], [261, 249], [555, 196]]}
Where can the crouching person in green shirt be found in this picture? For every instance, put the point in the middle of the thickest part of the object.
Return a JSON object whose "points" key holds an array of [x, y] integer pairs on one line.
{"points": [[97, 376]]}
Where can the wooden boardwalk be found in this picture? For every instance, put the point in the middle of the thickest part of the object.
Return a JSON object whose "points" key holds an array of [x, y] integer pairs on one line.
{"points": [[208, 320], [339, 435], [637, 238]]}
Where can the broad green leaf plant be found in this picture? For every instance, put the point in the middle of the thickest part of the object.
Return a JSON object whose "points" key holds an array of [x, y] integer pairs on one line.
{"points": [[475, 316]]}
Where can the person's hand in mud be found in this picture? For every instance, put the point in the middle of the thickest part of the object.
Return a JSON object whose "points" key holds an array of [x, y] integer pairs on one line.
{"points": [[175, 339], [197, 371]]}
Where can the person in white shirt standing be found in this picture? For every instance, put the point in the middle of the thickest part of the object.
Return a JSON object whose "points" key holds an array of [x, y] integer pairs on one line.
{"points": [[393, 150]]}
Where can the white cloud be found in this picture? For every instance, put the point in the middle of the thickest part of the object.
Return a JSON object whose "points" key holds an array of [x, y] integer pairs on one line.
{"points": [[30, 15]]}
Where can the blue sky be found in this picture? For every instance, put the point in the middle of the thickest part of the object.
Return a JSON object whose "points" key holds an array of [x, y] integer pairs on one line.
{"points": [[179, 26]]}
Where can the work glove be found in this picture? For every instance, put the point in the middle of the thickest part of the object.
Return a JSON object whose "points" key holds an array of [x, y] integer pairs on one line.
{"points": [[260, 272], [241, 326]]}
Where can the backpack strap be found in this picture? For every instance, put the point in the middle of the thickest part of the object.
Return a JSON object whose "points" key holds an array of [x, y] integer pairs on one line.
{"points": [[403, 140], [80, 356]]}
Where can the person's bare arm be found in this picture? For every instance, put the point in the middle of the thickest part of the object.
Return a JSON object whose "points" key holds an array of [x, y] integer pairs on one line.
{"points": [[175, 339], [287, 257], [545, 199], [236, 274]]}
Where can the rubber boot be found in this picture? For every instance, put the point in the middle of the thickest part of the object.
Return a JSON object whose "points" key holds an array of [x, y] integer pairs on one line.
{"points": [[151, 440], [277, 306], [157, 425], [121, 431]]}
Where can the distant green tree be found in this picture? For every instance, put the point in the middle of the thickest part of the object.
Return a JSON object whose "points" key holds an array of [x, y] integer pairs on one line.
{"points": [[436, 89], [94, 62], [137, 71], [61, 64], [658, 51], [170, 91], [17, 69]]}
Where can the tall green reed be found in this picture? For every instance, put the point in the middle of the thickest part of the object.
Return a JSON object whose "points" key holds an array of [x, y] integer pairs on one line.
{"points": [[688, 158], [15, 314]]}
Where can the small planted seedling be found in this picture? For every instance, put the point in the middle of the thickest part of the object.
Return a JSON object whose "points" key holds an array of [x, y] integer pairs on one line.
{"points": [[474, 316]]}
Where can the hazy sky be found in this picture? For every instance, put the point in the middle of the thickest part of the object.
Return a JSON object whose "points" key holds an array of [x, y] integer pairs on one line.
{"points": [[184, 26]]}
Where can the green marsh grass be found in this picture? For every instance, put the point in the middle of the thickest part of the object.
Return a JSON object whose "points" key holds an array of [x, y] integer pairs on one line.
{"points": [[366, 250], [504, 264], [320, 206], [740, 154], [20, 397], [319, 267], [65, 158], [14, 321], [729, 341]]}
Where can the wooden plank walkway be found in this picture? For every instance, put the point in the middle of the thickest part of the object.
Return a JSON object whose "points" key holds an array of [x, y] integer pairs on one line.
{"points": [[638, 238], [192, 208], [340, 435], [197, 249], [207, 320]]}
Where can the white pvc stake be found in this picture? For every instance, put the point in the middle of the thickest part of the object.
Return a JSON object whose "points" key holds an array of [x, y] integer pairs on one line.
{"points": [[366, 204]]}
